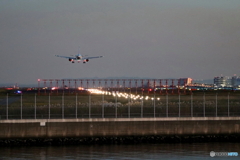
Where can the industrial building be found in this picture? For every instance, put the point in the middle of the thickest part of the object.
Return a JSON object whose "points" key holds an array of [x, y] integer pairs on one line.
{"points": [[225, 81], [185, 81], [236, 81]]}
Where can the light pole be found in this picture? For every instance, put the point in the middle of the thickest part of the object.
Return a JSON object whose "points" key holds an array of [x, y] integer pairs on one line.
{"points": [[129, 101], [203, 104], [166, 104], [116, 104], [103, 104], [76, 105], [49, 111], [21, 105], [179, 105], [89, 107], [35, 107], [216, 105], [228, 104], [63, 105], [191, 104], [142, 106], [7, 107], [154, 104]]}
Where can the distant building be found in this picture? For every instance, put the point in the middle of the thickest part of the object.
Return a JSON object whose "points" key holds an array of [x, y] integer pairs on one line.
{"points": [[225, 81], [185, 81], [222, 81], [235, 81]]}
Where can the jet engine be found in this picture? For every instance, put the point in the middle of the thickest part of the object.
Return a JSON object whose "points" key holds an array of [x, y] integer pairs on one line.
{"points": [[86, 60]]}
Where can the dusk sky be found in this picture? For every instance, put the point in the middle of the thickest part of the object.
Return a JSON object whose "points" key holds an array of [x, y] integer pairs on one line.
{"points": [[138, 38]]}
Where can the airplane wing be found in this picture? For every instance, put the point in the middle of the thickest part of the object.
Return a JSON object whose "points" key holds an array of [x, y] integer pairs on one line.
{"points": [[66, 57], [92, 57]]}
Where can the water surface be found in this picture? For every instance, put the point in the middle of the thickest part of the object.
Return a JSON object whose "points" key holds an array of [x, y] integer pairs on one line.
{"points": [[169, 151]]}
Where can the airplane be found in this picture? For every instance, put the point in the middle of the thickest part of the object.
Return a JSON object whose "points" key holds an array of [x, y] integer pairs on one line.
{"points": [[79, 58]]}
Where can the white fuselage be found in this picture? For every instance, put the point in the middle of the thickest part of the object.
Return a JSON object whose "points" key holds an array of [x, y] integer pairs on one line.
{"points": [[78, 57]]}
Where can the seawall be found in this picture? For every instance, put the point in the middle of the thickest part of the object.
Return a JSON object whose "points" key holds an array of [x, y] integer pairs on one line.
{"points": [[118, 127]]}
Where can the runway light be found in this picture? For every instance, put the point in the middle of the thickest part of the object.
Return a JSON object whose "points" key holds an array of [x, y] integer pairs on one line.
{"points": [[18, 92]]}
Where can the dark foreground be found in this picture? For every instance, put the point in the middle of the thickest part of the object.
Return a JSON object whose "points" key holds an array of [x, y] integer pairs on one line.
{"points": [[118, 140], [145, 151]]}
